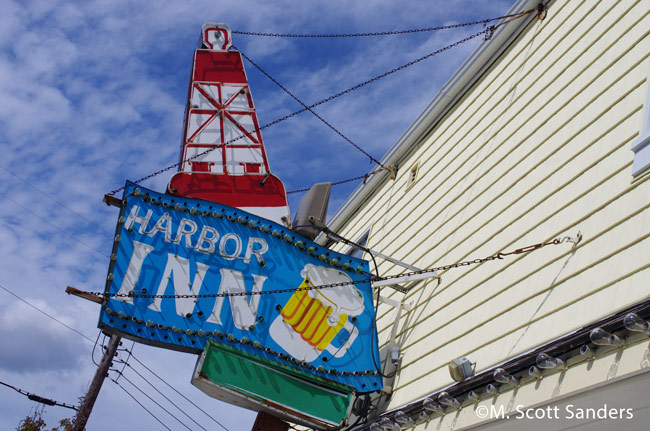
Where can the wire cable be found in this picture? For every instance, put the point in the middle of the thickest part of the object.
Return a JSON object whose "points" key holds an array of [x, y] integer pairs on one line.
{"points": [[53, 199], [140, 404], [294, 97], [43, 312], [381, 33], [154, 401], [53, 225], [126, 364], [38, 398], [178, 392]]}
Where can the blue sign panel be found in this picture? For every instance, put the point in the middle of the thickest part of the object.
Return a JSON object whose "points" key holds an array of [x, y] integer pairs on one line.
{"points": [[184, 271]]}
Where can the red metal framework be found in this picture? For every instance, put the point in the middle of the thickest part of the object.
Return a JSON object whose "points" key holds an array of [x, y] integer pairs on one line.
{"points": [[221, 117]]}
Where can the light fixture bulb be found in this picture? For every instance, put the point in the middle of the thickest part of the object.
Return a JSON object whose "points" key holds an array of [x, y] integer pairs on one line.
{"points": [[491, 389], [389, 425], [587, 352], [447, 400], [430, 405], [472, 396], [403, 419], [601, 337], [547, 362], [634, 323], [534, 372], [501, 376]]}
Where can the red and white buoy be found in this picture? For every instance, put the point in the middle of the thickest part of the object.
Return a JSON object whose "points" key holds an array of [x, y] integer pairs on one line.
{"points": [[223, 158]]}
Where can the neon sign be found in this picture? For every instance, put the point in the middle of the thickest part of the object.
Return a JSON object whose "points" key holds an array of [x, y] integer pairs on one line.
{"points": [[185, 271]]}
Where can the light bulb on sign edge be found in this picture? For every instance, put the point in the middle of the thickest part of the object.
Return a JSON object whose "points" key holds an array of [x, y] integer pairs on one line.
{"points": [[472, 396], [403, 419], [447, 400], [501, 376], [601, 337], [547, 362], [491, 389], [634, 323], [429, 404]]}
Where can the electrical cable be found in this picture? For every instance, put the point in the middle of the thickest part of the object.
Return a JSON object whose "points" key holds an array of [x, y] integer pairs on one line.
{"points": [[53, 199], [127, 359], [154, 401], [178, 392], [43, 312], [38, 398], [140, 404], [294, 97], [53, 225], [92, 354], [157, 390], [381, 33]]}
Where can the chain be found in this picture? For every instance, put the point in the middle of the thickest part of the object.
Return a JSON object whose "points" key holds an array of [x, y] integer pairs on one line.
{"points": [[487, 32], [294, 97], [496, 256], [364, 177], [383, 33], [38, 398]]}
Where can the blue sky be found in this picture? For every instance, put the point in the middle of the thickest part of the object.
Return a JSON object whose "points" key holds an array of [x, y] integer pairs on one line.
{"points": [[92, 93]]}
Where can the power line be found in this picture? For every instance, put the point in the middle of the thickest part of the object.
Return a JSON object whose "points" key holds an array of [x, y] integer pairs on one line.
{"points": [[126, 364], [53, 199], [154, 401], [38, 398], [178, 392], [294, 97], [43, 312], [140, 404], [53, 225], [381, 33]]}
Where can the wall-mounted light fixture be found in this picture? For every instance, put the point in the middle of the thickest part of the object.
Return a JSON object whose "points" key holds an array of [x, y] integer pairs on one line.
{"points": [[501, 376], [535, 372], [448, 401], [547, 362], [472, 396], [633, 322], [601, 337], [490, 389], [587, 352], [432, 407], [403, 419]]}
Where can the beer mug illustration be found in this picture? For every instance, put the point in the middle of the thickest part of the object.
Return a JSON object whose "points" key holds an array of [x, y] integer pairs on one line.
{"points": [[311, 319]]}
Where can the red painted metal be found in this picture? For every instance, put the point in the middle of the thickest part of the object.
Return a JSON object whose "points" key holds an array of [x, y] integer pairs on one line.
{"points": [[221, 117]]}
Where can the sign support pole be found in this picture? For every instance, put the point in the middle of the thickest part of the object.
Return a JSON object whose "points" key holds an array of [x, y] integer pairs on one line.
{"points": [[79, 423]]}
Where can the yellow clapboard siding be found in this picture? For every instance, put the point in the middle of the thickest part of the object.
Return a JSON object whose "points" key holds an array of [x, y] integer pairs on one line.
{"points": [[537, 148]]}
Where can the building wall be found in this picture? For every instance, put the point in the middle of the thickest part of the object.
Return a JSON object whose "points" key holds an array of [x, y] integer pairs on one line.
{"points": [[538, 148]]}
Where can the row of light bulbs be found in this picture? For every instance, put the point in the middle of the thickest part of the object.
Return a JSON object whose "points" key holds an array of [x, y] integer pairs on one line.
{"points": [[437, 406]]}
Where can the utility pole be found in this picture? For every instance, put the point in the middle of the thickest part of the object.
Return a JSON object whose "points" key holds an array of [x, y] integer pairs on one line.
{"points": [[79, 423]]}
